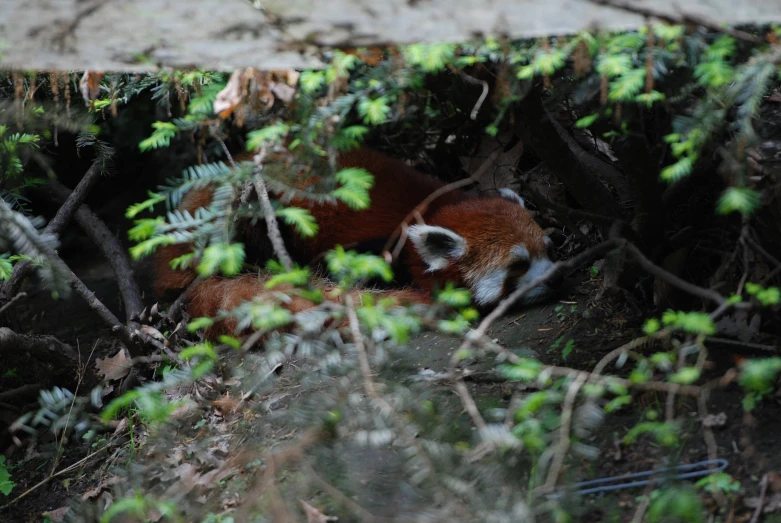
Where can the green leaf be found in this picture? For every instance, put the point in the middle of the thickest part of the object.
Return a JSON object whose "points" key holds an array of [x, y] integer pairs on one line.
{"points": [[301, 219], [269, 134], [199, 323], [549, 62], [374, 111], [617, 403], [586, 121], [297, 276], [714, 74], [692, 322], [228, 258], [351, 267], [526, 369], [144, 229], [678, 170], [154, 199], [429, 57], [356, 177], [685, 376], [614, 65], [355, 197], [648, 99], [311, 81], [454, 297], [739, 199], [652, 326], [627, 86], [6, 269], [161, 136]]}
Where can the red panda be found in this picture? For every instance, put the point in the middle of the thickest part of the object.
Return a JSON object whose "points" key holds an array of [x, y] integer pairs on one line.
{"points": [[491, 245]]}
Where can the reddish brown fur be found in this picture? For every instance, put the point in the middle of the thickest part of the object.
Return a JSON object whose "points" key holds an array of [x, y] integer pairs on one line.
{"points": [[209, 297], [491, 227]]}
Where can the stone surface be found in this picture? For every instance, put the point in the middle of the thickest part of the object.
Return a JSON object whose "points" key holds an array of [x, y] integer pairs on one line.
{"points": [[136, 35]]}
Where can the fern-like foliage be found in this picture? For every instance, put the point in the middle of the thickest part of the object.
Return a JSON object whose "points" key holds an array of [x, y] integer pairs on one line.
{"points": [[20, 235]]}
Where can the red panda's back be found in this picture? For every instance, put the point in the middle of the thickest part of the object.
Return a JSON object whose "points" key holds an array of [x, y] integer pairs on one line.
{"points": [[398, 189]]}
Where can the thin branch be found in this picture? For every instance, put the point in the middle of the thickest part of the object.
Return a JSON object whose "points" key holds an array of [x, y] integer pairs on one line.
{"points": [[111, 249], [474, 81], [117, 329], [649, 266], [12, 301], [401, 231], [56, 225], [564, 429], [13, 395], [363, 357], [272, 226], [176, 308]]}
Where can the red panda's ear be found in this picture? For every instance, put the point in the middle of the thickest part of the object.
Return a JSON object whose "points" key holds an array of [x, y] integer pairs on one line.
{"points": [[437, 246], [509, 194]]}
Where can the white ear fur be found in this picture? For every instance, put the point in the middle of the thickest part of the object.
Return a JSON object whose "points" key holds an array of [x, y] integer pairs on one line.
{"points": [[509, 194], [437, 246], [520, 252]]}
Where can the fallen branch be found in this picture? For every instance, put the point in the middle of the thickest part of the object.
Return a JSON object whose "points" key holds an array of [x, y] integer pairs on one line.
{"points": [[272, 227], [55, 226], [563, 157], [109, 246], [12, 301], [25, 391], [564, 429], [46, 348]]}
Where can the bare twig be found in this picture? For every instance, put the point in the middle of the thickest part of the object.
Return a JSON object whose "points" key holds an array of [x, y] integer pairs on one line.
{"points": [[273, 461], [469, 403], [56, 225], [674, 280], [52, 476], [176, 307], [268, 213], [474, 81], [761, 501], [363, 357], [12, 301], [401, 231], [24, 391], [109, 246], [566, 423]]}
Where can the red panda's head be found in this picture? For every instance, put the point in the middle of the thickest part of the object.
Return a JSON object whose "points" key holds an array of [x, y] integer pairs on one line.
{"points": [[491, 245]]}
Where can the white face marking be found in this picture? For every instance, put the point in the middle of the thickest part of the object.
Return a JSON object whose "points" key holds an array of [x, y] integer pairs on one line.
{"points": [[509, 194], [488, 288], [537, 268]]}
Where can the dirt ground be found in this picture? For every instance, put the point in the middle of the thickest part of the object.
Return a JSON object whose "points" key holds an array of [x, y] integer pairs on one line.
{"points": [[749, 443]]}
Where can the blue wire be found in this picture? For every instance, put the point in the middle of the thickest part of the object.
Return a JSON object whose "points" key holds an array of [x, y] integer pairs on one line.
{"points": [[693, 470]]}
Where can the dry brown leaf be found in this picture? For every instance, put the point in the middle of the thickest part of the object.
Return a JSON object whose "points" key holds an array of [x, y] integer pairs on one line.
{"points": [[89, 85], [113, 368], [230, 96], [152, 332], [315, 516], [57, 515], [283, 91], [102, 486]]}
